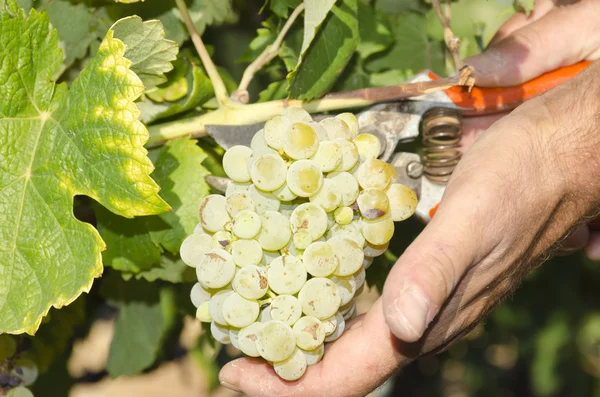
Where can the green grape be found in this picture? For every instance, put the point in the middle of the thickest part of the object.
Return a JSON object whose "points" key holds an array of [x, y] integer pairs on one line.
{"points": [[349, 154], [373, 203], [286, 308], [234, 163], [238, 311], [349, 253], [328, 156], [379, 231], [246, 339], [251, 282], [314, 356], [220, 333], [284, 193], [256, 154], [359, 278], [320, 260], [286, 275], [275, 129], [368, 145], [199, 295], [237, 202], [246, 252], [376, 174], [346, 286], [302, 239], [348, 187], [246, 224], [216, 269], [275, 341], [258, 141], [215, 306], [203, 312], [194, 247], [304, 178], [263, 201], [213, 213], [300, 141], [297, 115], [319, 298], [403, 201], [373, 250], [330, 324], [233, 337], [328, 197], [319, 130], [350, 314], [343, 215], [351, 231], [234, 187], [292, 368], [268, 172], [275, 232], [222, 240], [340, 326], [309, 332], [310, 217], [352, 123], [336, 128], [19, 391]]}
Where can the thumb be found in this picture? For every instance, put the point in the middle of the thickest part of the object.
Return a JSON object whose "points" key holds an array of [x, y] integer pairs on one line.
{"points": [[563, 36]]}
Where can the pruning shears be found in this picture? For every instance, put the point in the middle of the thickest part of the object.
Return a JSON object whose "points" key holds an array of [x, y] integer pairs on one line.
{"points": [[436, 116]]}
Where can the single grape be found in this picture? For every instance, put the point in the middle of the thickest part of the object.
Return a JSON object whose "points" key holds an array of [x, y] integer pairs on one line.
{"points": [[194, 247], [347, 287], [19, 391], [286, 308], [302, 239], [246, 224], [359, 278], [373, 203], [309, 332], [373, 250], [233, 337], [216, 269], [275, 232], [286, 275], [351, 231], [258, 141], [403, 201], [246, 339], [328, 197], [368, 145], [284, 193], [376, 174], [348, 188], [336, 128], [213, 213], [263, 201], [379, 231], [352, 123], [297, 115], [265, 314], [319, 298], [310, 217], [314, 356], [26, 370], [292, 368], [215, 306], [251, 282], [300, 141], [234, 163], [203, 312], [268, 172], [339, 328], [275, 341], [367, 262], [320, 259], [199, 295], [351, 313], [220, 333], [304, 178], [330, 324], [234, 187], [237, 202], [275, 129], [238, 311], [328, 156], [349, 253], [222, 240], [349, 154], [246, 252], [320, 130]]}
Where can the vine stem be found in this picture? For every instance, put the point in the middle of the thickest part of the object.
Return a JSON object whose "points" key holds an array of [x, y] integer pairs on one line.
{"points": [[211, 69], [270, 52], [452, 42]]}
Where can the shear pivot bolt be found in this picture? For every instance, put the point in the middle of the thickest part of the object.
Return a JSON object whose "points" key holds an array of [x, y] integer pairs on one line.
{"points": [[414, 169]]}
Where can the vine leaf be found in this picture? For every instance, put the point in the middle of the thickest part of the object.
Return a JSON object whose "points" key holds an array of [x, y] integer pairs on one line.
{"points": [[58, 142], [146, 47], [315, 12]]}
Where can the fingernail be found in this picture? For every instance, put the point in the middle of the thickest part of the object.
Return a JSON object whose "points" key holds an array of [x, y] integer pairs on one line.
{"points": [[412, 309], [229, 386]]}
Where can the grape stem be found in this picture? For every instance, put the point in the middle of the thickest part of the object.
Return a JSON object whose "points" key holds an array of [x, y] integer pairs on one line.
{"points": [[452, 42], [270, 52], [211, 69]]}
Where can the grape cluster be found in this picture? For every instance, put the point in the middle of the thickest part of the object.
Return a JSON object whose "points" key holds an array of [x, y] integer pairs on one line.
{"points": [[16, 372], [282, 255]]}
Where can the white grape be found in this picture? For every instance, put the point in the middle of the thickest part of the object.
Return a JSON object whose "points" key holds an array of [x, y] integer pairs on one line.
{"points": [[199, 295], [359, 278], [314, 356], [292, 368], [373, 250], [220, 333], [302, 239], [263, 201], [275, 232], [250, 282], [347, 287], [269, 257], [258, 141], [286, 308], [376, 174], [194, 247], [246, 339], [343, 215], [373, 203], [297, 115], [222, 240], [320, 130], [275, 341], [268, 172], [304, 178], [328, 197], [348, 187], [339, 328], [246, 252], [233, 337], [234, 163], [216, 269], [319, 298], [310, 217], [213, 213], [246, 224], [349, 154], [237, 202], [328, 156], [379, 231], [309, 333], [300, 141], [350, 254], [215, 306], [284, 193], [352, 123], [336, 128], [368, 145], [403, 201], [330, 324], [239, 311], [234, 187], [265, 314], [203, 312], [351, 231], [320, 259], [350, 314], [367, 262], [275, 129], [286, 275]]}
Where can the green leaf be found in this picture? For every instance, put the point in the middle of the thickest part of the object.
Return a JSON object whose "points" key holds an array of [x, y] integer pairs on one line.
{"points": [[549, 342], [398, 6], [275, 90], [329, 52], [525, 6], [210, 12], [412, 50], [59, 143], [282, 8], [375, 36], [171, 269], [146, 47], [315, 12], [127, 1]]}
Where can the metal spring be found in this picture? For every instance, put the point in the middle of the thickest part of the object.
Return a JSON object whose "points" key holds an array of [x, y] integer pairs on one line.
{"points": [[441, 132]]}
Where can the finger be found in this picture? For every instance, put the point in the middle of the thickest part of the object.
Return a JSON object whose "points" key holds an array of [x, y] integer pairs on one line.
{"points": [[592, 249], [521, 19], [575, 240], [564, 36], [361, 360], [473, 126]]}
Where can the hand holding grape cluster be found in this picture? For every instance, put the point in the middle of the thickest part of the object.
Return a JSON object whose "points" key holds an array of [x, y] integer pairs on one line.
{"points": [[282, 255]]}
